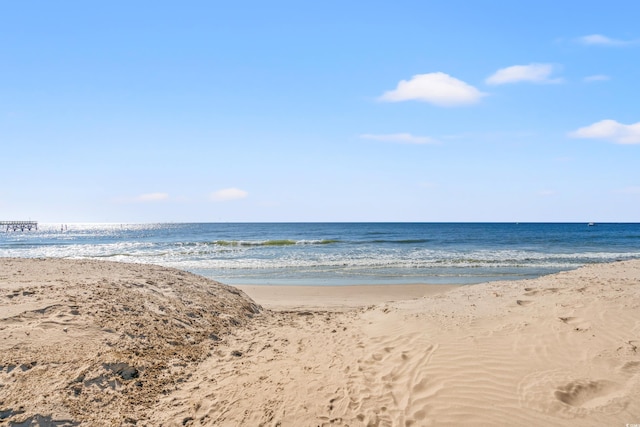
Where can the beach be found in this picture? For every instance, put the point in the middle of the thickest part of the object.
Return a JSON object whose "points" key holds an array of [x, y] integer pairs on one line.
{"points": [[85, 342]]}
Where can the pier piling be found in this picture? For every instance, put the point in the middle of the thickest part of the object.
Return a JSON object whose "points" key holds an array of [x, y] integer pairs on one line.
{"points": [[19, 225]]}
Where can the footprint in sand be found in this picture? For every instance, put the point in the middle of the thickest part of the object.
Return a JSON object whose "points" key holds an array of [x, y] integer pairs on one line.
{"points": [[585, 393], [523, 302], [579, 324], [530, 292], [554, 393], [632, 367]]}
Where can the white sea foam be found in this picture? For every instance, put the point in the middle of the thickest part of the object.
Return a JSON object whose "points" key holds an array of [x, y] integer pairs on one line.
{"points": [[325, 251]]}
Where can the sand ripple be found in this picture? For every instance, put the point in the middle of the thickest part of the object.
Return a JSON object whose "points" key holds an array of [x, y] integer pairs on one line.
{"points": [[105, 343]]}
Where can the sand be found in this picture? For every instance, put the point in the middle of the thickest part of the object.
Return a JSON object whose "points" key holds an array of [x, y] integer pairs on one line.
{"points": [[97, 343], [336, 298]]}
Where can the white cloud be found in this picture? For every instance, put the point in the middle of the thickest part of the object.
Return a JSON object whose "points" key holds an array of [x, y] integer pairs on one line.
{"points": [[228, 194], [600, 40], [436, 88], [533, 73], [401, 138], [610, 130], [152, 197], [597, 78]]}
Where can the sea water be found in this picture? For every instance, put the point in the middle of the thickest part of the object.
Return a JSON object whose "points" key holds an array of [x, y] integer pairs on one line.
{"points": [[338, 253]]}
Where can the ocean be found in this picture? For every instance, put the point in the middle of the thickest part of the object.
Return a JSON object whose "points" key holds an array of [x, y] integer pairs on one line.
{"points": [[338, 253]]}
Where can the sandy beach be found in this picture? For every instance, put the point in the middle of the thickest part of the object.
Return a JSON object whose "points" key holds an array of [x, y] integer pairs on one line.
{"points": [[336, 298], [97, 343]]}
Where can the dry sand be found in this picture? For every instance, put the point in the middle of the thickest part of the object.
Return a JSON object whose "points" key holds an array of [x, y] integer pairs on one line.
{"points": [[96, 343]]}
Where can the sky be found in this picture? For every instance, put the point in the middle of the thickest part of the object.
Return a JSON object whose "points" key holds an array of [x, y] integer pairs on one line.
{"points": [[211, 111]]}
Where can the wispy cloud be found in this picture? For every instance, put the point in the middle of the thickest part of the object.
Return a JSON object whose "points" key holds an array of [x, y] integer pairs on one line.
{"points": [[228, 194], [596, 78], [400, 138], [435, 88], [600, 40], [610, 130], [532, 73]]}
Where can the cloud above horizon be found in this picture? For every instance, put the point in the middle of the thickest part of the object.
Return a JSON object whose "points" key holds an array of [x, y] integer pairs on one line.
{"points": [[610, 130], [400, 138], [600, 40], [532, 73], [435, 88], [597, 78], [228, 194]]}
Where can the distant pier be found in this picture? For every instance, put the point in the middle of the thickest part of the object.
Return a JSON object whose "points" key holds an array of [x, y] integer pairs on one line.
{"points": [[19, 225]]}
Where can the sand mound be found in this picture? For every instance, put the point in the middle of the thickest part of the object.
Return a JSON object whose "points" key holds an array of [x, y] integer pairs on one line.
{"points": [[98, 342]]}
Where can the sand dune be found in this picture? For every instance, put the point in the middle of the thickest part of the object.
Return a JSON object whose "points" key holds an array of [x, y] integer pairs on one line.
{"points": [[561, 350], [98, 342]]}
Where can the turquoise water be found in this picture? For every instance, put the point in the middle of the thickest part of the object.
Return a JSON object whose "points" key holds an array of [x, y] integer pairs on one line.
{"points": [[339, 253]]}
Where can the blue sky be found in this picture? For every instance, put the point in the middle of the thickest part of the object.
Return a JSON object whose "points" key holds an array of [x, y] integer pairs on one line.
{"points": [[325, 111]]}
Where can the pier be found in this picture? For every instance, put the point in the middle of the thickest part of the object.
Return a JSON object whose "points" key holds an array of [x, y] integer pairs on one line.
{"points": [[19, 225]]}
